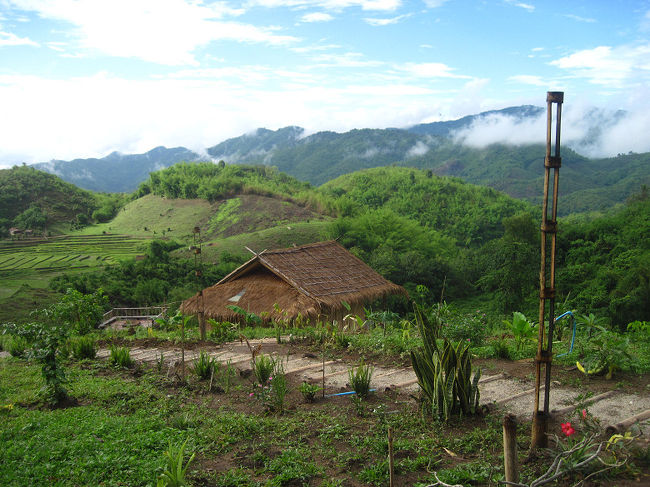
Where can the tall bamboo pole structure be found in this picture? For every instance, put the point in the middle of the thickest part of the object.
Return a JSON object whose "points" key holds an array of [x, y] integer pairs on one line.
{"points": [[544, 355]]}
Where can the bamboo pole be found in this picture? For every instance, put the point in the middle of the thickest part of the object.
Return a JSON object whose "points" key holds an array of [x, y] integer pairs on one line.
{"points": [[390, 456], [544, 354], [510, 448]]}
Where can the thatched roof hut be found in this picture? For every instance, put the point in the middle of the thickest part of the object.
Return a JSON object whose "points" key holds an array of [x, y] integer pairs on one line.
{"points": [[311, 281]]}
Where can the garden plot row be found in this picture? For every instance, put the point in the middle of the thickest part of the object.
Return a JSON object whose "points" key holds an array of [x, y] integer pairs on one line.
{"points": [[497, 390]]}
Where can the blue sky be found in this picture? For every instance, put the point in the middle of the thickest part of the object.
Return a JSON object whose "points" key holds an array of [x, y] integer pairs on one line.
{"points": [[82, 78]]}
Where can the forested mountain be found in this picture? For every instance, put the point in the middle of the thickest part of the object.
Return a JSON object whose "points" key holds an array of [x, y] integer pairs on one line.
{"points": [[585, 184], [116, 173]]}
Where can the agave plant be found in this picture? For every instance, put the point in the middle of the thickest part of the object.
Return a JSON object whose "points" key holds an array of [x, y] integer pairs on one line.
{"points": [[444, 373]]}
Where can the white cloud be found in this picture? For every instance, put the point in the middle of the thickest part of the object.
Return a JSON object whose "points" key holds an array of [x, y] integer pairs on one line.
{"points": [[610, 66], [316, 17], [592, 132], [434, 3], [419, 149], [160, 31], [8, 39], [528, 80], [346, 60], [577, 18], [430, 70], [95, 115], [382, 22], [314, 48], [336, 5], [525, 6]]}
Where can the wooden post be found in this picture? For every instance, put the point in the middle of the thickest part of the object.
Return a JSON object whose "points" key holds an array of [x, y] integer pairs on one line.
{"points": [[510, 448], [390, 456], [183, 349], [323, 385]]}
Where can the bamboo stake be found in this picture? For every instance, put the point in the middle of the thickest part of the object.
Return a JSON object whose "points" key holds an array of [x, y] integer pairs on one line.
{"points": [[544, 354], [510, 448], [390, 456]]}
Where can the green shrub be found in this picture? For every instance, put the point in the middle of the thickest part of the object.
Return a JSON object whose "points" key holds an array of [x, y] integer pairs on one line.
{"points": [[222, 331], [84, 347], [359, 378], [500, 348], [470, 328], [16, 346], [120, 357], [309, 391], [174, 473], [205, 366], [263, 366]]}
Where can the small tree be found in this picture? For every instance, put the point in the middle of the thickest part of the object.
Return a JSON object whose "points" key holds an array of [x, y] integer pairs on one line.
{"points": [[45, 341], [80, 312]]}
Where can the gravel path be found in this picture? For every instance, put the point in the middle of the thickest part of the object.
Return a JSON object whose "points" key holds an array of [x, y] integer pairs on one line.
{"points": [[497, 389]]}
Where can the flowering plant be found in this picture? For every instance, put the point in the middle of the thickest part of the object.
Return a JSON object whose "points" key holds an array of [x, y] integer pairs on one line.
{"points": [[567, 429]]}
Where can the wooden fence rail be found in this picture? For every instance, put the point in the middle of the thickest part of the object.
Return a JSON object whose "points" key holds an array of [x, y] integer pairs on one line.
{"points": [[149, 312]]}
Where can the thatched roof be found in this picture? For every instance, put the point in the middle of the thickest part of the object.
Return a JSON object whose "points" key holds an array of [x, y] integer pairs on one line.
{"points": [[311, 280]]}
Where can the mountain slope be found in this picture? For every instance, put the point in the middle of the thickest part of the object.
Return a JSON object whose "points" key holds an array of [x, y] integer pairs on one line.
{"points": [[117, 173]]}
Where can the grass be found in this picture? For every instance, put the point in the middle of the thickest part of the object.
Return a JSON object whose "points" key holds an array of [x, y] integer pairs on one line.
{"points": [[280, 236], [124, 421], [156, 217]]}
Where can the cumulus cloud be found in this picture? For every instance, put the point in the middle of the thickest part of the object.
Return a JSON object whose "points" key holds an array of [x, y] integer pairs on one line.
{"points": [[590, 131], [159, 31], [617, 66]]}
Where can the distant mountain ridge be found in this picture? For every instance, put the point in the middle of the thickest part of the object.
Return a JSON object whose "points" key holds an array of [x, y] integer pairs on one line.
{"points": [[587, 184], [117, 173]]}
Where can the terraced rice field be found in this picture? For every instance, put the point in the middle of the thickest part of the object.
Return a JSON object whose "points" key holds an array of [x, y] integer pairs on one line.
{"points": [[66, 252]]}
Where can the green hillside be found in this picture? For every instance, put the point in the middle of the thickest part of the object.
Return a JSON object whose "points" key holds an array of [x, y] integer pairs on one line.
{"points": [[416, 228], [38, 201], [469, 214]]}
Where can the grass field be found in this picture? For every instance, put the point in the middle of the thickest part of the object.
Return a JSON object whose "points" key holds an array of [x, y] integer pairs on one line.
{"points": [[35, 261], [66, 252], [156, 217], [281, 236]]}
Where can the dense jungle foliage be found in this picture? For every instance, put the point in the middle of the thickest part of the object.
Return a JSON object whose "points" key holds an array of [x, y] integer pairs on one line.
{"points": [[604, 263]]}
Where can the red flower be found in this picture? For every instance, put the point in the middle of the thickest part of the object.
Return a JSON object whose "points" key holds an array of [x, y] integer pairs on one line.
{"points": [[584, 414], [567, 429]]}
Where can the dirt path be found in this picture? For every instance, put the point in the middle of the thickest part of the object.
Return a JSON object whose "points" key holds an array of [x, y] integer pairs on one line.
{"points": [[498, 389]]}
